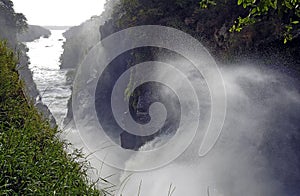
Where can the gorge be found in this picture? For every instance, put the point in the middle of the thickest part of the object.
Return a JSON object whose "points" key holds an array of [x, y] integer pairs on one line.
{"points": [[258, 150]]}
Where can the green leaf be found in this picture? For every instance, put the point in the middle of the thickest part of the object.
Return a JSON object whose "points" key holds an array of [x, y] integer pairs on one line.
{"points": [[288, 5], [274, 5], [253, 11]]}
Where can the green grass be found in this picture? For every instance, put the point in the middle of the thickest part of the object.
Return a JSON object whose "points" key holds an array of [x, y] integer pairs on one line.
{"points": [[32, 158]]}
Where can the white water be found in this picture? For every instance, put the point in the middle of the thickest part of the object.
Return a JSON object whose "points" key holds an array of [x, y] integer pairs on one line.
{"points": [[253, 155], [44, 55], [260, 103]]}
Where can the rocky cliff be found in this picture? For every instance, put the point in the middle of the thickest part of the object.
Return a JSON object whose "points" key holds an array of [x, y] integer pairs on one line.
{"points": [[8, 31], [32, 33], [79, 40], [211, 27], [30, 90], [261, 42]]}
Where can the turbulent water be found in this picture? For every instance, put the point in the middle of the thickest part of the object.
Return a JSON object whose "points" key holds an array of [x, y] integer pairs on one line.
{"points": [[258, 150], [44, 55], [52, 84], [257, 153]]}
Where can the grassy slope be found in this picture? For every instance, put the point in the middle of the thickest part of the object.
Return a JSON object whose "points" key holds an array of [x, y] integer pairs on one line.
{"points": [[32, 159]]}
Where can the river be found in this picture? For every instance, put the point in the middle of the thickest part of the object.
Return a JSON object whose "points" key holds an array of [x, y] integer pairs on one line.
{"points": [[255, 154], [44, 55], [55, 91]]}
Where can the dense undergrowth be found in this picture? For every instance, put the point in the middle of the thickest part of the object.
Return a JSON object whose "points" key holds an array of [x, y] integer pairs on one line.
{"points": [[32, 158]]}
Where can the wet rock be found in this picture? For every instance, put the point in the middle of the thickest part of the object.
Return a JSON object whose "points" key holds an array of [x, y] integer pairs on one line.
{"points": [[133, 142], [30, 91]]}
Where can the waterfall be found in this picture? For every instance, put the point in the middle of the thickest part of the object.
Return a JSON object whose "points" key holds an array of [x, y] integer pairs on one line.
{"points": [[257, 152]]}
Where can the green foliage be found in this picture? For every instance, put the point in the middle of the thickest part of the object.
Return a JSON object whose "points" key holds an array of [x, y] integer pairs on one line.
{"points": [[288, 29], [21, 22], [17, 20], [207, 3], [286, 11], [140, 12], [32, 158], [135, 13], [242, 22]]}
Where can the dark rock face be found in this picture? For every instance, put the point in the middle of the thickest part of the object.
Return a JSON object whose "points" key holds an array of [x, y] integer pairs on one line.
{"points": [[79, 40], [8, 30], [31, 92], [32, 33], [133, 142], [211, 27], [107, 29], [139, 101], [69, 117]]}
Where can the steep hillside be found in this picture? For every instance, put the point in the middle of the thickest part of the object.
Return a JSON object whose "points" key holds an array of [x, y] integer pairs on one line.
{"points": [[212, 26], [32, 158], [32, 33], [11, 23], [79, 40], [262, 42]]}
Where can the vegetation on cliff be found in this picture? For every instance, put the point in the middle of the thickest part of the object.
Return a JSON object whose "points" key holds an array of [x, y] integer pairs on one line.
{"points": [[32, 33], [12, 25], [32, 158], [217, 24], [11, 22], [285, 14], [229, 29]]}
